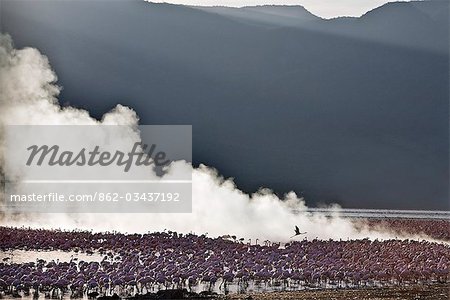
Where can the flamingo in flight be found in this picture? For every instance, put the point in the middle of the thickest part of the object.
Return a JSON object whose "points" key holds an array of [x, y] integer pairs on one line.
{"points": [[297, 232]]}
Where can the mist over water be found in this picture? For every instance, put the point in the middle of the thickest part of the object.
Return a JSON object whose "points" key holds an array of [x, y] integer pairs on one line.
{"points": [[28, 96]]}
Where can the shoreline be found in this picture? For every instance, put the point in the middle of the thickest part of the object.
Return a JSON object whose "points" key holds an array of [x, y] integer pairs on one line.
{"points": [[436, 291]]}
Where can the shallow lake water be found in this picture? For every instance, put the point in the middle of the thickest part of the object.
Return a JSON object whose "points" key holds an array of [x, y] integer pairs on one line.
{"points": [[23, 256], [379, 213]]}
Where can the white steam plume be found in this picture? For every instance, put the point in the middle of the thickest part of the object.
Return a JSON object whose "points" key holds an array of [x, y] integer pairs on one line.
{"points": [[28, 95]]}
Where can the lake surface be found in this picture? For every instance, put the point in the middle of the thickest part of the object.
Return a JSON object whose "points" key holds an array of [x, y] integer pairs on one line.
{"points": [[380, 213], [24, 256]]}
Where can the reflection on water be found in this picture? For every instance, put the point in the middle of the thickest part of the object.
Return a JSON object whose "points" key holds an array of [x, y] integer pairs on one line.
{"points": [[66, 296], [23, 256]]}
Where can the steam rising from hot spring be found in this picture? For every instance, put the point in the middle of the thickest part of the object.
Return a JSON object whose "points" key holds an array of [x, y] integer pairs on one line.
{"points": [[28, 96]]}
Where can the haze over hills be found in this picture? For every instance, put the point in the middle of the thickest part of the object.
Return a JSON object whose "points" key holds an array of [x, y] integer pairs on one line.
{"points": [[348, 110], [410, 24], [266, 15]]}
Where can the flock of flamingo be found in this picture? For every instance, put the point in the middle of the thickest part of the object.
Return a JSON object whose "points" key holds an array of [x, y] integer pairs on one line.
{"points": [[144, 263], [436, 229]]}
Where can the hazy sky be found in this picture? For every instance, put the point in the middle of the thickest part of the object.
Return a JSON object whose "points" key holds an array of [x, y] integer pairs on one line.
{"points": [[322, 8]]}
